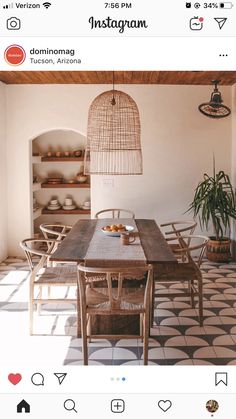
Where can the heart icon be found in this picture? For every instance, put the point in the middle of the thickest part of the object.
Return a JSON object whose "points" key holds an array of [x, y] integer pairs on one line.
{"points": [[14, 378], [164, 405]]}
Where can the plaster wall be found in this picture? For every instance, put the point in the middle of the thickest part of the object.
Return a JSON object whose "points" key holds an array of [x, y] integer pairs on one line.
{"points": [[177, 141], [3, 200], [233, 162]]}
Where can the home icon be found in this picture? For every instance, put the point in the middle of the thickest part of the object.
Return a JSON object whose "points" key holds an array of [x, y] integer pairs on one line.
{"points": [[23, 406]]}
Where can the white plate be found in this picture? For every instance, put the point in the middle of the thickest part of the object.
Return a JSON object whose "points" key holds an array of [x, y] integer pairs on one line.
{"points": [[69, 207], [53, 207], [128, 229]]}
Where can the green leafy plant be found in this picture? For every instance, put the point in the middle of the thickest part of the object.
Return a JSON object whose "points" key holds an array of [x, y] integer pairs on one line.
{"points": [[214, 202]]}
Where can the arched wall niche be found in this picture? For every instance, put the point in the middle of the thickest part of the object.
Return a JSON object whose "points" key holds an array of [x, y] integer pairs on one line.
{"points": [[57, 142], [58, 139]]}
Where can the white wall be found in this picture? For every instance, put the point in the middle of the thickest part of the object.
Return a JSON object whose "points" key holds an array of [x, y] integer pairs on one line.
{"points": [[32, 111], [3, 201], [233, 161], [178, 143]]}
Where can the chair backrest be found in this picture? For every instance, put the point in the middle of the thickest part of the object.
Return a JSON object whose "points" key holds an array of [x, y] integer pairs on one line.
{"points": [[179, 227], [189, 244], [34, 247], [58, 231], [112, 275], [115, 213]]}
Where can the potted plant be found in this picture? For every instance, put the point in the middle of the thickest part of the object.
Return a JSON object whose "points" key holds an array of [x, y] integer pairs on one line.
{"points": [[214, 202]]}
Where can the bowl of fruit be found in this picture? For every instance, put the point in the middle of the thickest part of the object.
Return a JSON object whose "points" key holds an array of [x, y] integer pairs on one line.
{"points": [[115, 230]]}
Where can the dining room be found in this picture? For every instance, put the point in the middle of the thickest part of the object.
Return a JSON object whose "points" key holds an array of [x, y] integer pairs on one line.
{"points": [[187, 315]]}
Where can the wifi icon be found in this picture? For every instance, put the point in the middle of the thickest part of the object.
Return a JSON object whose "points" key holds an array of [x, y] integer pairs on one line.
{"points": [[46, 5]]}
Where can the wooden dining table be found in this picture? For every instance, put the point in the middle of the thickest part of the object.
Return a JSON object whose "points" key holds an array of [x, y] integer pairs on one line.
{"points": [[87, 242]]}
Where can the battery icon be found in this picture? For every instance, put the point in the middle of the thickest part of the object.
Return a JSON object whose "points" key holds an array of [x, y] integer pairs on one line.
{"points": [[226, 5]]}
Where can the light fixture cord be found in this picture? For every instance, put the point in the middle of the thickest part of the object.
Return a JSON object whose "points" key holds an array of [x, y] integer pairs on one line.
{"points": [[216, 82], [113, 101]]}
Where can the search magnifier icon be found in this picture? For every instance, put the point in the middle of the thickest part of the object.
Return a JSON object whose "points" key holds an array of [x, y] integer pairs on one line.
{"points": [[69, 405]]}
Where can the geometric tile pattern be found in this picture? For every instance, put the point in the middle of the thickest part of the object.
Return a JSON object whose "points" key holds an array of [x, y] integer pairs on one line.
{"points": [[176, 338]]}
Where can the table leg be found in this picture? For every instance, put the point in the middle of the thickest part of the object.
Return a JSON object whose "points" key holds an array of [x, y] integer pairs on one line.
{"points": [[152, 301]]}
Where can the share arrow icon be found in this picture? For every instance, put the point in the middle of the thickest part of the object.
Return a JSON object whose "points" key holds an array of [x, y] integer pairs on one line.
{"points": [[221, 21], [60, 376]]}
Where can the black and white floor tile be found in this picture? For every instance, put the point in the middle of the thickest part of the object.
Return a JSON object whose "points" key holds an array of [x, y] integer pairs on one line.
{"points": [[176, 338]]}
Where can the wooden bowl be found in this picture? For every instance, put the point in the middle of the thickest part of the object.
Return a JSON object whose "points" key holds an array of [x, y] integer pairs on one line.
{"points": [[77, 153], [81, 178]]}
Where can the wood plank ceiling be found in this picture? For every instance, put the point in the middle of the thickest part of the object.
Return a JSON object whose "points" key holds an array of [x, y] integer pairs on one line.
{"points": [[227, 78]]}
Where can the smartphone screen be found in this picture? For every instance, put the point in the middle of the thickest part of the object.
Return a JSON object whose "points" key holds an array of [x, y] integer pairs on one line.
{"points": [[117, 209]]}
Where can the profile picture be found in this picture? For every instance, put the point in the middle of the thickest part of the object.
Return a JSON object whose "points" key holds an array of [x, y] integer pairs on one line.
{"points": [[212, 406]]}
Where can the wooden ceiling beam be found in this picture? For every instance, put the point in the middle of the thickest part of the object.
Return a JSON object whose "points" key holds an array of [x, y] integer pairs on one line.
{"points": [[227, 78]]}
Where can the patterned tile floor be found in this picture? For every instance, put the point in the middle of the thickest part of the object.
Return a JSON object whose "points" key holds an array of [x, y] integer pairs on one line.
{"points": [[176, 339]]}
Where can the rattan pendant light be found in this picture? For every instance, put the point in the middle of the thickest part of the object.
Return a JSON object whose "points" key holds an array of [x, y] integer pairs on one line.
{"points": [[113, 135]]}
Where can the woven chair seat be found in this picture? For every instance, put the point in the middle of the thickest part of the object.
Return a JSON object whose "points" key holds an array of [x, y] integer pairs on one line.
{"points": [[182, 272], [182, 269], [43, 276], [90, 278], [57, 275], [131, 299], [187, 272], [114, 297], [134, 274]]}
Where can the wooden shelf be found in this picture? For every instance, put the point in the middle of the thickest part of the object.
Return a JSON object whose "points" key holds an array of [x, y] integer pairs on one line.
{"points": [[65, 212], [62, 159], [59, 187], [65, 185]]}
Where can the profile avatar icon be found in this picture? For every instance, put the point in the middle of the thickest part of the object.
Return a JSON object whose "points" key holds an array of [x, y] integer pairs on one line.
{"points": [[212, 406]]}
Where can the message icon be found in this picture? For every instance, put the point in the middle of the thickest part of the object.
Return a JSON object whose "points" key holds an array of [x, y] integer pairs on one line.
{"points": [[221, 378], [37, 379]]}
